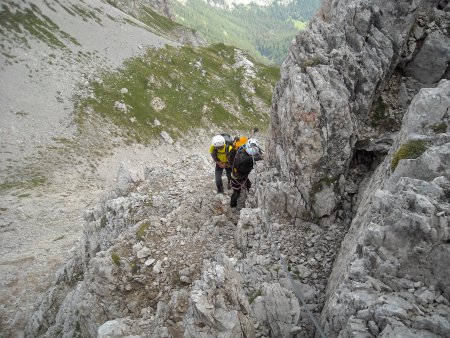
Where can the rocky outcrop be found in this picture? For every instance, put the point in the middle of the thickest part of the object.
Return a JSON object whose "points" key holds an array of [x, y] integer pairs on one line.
{"points": [[323, 104], [389, 276], [388, 279]]}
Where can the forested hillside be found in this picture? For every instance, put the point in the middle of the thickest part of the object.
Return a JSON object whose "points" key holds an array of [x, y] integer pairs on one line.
{"points": [[265, 32]]}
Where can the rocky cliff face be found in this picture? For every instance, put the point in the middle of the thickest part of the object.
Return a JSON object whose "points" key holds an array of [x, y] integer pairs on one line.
{"points": [[326, 103], [336, 111], [347, 234]]}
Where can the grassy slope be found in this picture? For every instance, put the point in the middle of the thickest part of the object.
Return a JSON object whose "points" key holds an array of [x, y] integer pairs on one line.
{"points": [[195, 85]]}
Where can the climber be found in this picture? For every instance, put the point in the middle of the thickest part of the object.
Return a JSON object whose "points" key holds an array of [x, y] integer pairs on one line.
{"points": [[220, 151], [242, 164]]}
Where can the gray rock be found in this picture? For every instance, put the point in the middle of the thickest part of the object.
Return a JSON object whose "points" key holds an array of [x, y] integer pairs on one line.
{"points": [[430, 64], [166, 137], [277, 307]]}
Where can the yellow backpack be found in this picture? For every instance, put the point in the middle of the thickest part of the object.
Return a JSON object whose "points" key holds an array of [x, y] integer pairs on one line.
{"points": [[239, 141]]}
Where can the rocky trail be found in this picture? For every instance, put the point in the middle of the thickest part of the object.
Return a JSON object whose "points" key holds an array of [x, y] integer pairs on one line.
{"points": [[157, 237], [42, 225]]}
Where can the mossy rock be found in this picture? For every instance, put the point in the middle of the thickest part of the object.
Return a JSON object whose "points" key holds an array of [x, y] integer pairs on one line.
{"points": [[410, 150]]}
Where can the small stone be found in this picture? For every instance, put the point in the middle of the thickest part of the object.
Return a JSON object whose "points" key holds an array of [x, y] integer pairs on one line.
{"points": [[185, 279], [373, 328], [144, 252], [427, 296], [157, 267], [304, 271], [440, 299], [149, 261]]}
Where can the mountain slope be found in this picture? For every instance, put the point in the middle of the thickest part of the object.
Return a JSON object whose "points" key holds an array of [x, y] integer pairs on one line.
{"points": [[64, 134], [263, 31], [164, 256], [48, 49]]}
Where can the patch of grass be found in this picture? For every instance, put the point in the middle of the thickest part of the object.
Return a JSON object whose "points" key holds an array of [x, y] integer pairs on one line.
{"points": [[86, 14], [197, 86], [157, 22], [379, 112], [15, 21], [254, 295], [142, 229], [410, 150], [103, 221], [26, 183], [440, 128], [176, 280], [312, 62], [381, 118], [116, 259]]}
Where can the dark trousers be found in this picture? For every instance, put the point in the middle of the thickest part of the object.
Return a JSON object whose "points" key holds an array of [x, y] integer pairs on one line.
{"points": [[218, 174], [237, 185]]}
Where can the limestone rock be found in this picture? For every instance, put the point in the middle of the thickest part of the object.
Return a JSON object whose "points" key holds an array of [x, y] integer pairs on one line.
{"points": [[430, 64]]}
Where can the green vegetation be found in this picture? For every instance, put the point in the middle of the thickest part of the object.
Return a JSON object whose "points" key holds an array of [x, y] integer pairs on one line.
{"points": [[176, 279], [254, 295], [380, 111], [264, 32], [23, 181], [410, 150], [116, 259], [142, 229], [314, 61], [182, 88], [381, 117], [15, 21], [440, 128], [155, 22], [103, 221], [135, 267]]}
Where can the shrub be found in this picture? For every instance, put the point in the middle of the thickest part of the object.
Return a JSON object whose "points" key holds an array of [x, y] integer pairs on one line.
{"points": [[115, 258], [141, 231]]}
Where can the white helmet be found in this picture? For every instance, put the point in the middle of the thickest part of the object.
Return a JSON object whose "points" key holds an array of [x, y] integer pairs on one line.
{"points": [[218, 141], [252, 147]]}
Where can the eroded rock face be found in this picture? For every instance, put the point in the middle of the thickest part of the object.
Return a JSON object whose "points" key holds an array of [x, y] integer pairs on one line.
{"points": [[389, 275], [321, 107]]}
